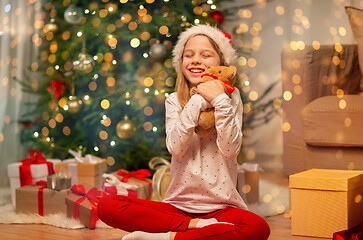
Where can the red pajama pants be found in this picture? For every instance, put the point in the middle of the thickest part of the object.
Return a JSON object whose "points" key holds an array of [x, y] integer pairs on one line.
{"points": [[133, 214]]}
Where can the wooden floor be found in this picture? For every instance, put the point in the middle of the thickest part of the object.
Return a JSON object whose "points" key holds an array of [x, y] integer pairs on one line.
{"points": [[280, 230]]}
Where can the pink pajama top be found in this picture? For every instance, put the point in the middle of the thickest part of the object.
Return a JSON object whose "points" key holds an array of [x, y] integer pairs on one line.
{"points": [[204, 170]]}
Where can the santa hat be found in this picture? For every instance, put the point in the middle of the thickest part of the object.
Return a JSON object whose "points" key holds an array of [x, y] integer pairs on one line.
{"points": [[222, 39]]}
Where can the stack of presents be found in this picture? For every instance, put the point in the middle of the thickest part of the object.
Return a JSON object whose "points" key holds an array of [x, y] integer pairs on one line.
{"points": [[74, 186]]}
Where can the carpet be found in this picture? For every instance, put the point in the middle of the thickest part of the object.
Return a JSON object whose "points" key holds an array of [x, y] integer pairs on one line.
{"points": [[274, 200]]}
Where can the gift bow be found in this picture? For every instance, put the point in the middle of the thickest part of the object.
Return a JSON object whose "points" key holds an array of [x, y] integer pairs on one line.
{"points": [[87, 159], [93, 195], [58, 86], [36, 157], [43, 185], [355, 233], [116, 187], [161, 166], [229, 87], [139, 174]]}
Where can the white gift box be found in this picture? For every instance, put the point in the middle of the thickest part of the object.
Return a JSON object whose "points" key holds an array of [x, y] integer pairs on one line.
{"points": [[83, 170], [113, 186], [39, 173]]}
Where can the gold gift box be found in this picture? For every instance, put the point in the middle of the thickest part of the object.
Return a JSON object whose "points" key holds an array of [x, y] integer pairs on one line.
{"points": [[87, 173], [324, 201], [53, 201]]}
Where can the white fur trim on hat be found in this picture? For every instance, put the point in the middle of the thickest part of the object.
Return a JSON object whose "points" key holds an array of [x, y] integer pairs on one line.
{"points": [[228, 52]]}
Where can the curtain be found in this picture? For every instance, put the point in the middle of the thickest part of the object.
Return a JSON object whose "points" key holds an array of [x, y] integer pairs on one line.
{"points": [[20, 22]]}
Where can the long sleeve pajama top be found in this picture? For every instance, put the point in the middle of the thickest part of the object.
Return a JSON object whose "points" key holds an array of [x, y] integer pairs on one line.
{"points": [[204, 170]]}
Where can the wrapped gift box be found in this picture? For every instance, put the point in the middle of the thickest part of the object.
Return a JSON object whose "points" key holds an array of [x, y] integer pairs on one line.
{"points": [[58, 181], [83, 173], [29, 201], [82, 204], [324, 201], [248, 182], [113, 186], [161, 179], [137, 178], [39, 172]]}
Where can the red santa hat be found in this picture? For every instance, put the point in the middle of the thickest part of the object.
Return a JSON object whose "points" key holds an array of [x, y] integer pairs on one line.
{"points": [[221, 38]]}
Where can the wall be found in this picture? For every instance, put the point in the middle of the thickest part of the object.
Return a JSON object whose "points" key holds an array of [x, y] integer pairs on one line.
{"points": [[301, 20]]}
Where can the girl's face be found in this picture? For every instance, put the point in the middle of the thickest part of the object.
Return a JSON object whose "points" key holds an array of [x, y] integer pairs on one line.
{"points": [[198, 54]]}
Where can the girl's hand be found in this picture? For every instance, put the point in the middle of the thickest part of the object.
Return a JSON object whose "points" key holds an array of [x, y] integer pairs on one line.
{"points": [[210, 90]]}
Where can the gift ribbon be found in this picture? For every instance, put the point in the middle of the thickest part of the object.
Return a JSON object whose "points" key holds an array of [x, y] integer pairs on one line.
{"points": [[58, 88], [93, 195], [25, 173], [229, 87], [139, 174], [355, 233], [161, 166], [113, 186], [43, 185]]}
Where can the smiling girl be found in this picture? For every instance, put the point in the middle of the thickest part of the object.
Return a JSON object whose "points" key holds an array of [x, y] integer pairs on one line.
{"points": [[202, 201]]}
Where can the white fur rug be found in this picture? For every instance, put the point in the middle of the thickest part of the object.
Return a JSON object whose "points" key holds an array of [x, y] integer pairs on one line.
{"points": [[274, 200]]}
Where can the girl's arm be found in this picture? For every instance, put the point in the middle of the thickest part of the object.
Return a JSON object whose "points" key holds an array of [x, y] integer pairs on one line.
{"points": [[228, 122], [180, 127]]}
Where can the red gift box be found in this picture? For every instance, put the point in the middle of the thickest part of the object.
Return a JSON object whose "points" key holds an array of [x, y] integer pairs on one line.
{"points": [[355, 233]]}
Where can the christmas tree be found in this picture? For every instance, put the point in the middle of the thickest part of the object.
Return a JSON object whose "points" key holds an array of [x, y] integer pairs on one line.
{"points": [[105, 70]]}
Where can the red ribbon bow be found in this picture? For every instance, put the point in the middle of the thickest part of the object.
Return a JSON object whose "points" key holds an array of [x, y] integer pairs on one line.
{"points": [[355, 233], [139, 174], [58, 86], [93, 195], [43, 185], [229, 87], [25, 173]]}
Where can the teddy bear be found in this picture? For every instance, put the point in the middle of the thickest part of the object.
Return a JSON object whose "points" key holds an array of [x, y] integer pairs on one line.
{"points": [[227, 76]]}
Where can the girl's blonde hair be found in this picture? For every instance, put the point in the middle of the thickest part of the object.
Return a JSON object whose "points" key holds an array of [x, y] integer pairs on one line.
{"points": [[182, 84]]}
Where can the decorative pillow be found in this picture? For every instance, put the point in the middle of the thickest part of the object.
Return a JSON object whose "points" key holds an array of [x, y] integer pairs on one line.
{"points": [[356, 23]]}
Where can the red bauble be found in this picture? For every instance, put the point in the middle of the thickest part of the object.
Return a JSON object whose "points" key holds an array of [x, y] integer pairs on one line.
{"points": [[218, 16]]}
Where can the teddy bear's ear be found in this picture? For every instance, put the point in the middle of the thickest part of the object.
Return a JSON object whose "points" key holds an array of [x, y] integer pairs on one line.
{"points": [[233, 70]]}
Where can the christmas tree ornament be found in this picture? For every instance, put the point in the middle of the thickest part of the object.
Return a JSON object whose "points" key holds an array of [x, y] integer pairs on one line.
{"points": [[73, 14], [125, 128], [157, 51], [86, 99], [218, 16], [74, 104], [51, 26], [84, 63]]}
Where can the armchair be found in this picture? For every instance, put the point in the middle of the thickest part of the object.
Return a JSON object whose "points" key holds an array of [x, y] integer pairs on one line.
{"points": [[322, 108]]}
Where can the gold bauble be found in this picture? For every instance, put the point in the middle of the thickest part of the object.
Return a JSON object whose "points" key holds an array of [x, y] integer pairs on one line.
{"points": [[74, 105], [51, 27], [125, 128]]}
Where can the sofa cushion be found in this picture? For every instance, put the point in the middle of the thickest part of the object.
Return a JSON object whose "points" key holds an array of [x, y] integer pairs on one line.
{"points": [[334, 121], [356, 23]]}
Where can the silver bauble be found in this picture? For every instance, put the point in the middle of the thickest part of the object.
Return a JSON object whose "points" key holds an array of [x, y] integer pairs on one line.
{"points": [[73, 14], [157, 51], [84, 63]]}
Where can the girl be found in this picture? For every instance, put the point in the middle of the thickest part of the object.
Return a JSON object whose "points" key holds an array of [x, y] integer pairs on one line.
{"points": [[202, 201]]}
